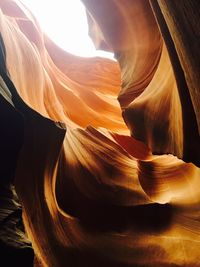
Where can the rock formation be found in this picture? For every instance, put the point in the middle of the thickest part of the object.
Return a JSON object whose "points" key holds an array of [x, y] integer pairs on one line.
{"points": [[108, 170]]}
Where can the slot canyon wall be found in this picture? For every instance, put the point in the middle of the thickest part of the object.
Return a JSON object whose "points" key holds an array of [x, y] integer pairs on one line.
{"points": [[104, 155]]}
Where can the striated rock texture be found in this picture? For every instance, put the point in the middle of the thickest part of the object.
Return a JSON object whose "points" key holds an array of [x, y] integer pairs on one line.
{"points": [[108, 173], [14, 245]]}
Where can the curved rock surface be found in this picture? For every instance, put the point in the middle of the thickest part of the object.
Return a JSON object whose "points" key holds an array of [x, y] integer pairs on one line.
{"points": [[102, 182]]}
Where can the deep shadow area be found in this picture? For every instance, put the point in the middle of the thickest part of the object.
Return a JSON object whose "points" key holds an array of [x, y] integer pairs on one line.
{"points": [[148, 218], [15, 248], [103, 216]]}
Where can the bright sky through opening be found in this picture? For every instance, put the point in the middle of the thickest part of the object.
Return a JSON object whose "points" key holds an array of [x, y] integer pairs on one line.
{"points": [[65, 22]]}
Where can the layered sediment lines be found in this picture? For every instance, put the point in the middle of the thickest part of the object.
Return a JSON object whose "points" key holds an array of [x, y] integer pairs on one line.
{"points": [[106, 175]]}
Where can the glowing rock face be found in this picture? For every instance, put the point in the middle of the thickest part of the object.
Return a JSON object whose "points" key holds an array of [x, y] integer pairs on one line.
{"points": [[89, 193]]}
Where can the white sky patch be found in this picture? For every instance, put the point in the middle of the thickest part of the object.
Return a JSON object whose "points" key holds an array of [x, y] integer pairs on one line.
{"points": [[65, 22]]}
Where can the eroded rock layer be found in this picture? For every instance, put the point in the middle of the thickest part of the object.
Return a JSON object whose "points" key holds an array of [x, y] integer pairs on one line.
{"points": [[104, 183]]}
